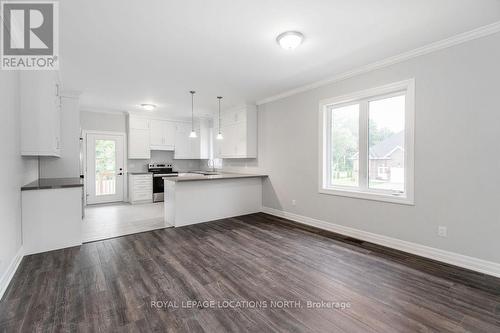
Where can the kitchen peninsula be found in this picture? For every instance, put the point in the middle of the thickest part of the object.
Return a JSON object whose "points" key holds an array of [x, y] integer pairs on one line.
{"points": [[197, 198]]}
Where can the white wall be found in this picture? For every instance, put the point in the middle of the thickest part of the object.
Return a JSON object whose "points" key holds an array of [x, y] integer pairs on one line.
{"points": [[98, 121], [68, 165], [163, 156], [14, 172], [30, 169], [457, 159]]}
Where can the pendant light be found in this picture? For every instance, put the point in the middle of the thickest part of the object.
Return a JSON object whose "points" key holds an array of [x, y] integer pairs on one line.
{"points": [[193, 132], [219, 136]]}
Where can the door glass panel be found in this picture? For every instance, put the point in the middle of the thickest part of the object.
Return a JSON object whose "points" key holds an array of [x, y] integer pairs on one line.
{"points": [[344, 146], [105, 167], [386, 167]]}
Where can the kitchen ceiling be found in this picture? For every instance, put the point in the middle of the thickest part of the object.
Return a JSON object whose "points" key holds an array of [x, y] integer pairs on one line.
{"points": [[124, 53]]}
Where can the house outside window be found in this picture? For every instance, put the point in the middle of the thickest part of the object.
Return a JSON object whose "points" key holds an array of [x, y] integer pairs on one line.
{"points": [[383, 172], [366, 144]]}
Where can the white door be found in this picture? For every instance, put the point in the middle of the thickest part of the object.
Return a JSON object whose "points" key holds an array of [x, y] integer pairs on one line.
{"points": [[105, 169]]}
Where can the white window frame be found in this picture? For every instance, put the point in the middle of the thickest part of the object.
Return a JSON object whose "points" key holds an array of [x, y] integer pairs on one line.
{"points": [[363, 191]]}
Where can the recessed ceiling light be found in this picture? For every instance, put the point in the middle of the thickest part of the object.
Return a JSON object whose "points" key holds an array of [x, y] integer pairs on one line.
{"points": [[148, 107], [289, 40]]}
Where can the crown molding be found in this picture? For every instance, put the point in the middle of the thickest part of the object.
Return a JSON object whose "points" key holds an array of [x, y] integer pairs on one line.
{"points": [[143, 114], [433, 47], [102, 110]]}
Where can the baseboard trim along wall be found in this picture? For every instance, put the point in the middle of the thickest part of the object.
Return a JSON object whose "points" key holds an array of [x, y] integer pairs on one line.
{"points": [[475, 264], [11, 270]]}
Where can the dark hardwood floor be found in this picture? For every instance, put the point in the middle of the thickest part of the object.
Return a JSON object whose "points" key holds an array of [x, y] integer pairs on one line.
{"points": [[110, 285]]}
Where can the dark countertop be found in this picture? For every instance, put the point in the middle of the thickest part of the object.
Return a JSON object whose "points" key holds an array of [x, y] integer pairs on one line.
{"points": [[53, 183], [220, 175], [140, 173]]}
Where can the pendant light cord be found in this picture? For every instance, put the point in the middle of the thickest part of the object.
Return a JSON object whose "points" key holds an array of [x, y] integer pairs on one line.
{"points": [[192, 110], [219, 97]]}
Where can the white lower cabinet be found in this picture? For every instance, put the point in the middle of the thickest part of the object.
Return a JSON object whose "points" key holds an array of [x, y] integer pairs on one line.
{"points": [[52, 219], [140, 188]]}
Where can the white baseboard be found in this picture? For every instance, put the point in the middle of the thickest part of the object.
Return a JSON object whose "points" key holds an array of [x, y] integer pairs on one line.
{"points": [[11, 270], [475, 264]]}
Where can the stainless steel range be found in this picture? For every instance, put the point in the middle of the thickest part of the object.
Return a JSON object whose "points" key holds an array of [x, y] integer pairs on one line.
{"points": [[160, 170]]}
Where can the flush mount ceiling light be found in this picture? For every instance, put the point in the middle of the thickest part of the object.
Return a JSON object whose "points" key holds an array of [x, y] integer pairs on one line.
{"points": [[289, 40], [148, 107], [193, 132]]}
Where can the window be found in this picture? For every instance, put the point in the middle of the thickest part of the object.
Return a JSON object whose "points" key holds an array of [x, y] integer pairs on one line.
{"points": [[105, 167], [344, 144], [366, 144]]}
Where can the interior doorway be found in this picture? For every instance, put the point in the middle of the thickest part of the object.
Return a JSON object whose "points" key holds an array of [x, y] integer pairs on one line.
{"points": [[105, 160]]}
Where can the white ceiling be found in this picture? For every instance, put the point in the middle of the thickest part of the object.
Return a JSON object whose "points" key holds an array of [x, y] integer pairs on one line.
{"points": [[122, 53]]}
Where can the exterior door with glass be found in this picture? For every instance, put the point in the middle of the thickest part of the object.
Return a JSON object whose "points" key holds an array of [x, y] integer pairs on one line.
{"points": [[105, 168]]}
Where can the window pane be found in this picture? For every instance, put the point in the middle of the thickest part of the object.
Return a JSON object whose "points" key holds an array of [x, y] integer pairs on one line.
{"points": [[386, 167], [105, 167], [344, 146]]}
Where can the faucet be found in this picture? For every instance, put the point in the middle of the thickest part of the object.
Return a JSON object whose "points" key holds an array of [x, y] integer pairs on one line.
{"points": [[211, 164], [215, 163]]}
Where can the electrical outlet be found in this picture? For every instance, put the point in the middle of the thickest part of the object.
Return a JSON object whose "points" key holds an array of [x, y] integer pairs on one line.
{"points": [[442, 231], [294, 202]]}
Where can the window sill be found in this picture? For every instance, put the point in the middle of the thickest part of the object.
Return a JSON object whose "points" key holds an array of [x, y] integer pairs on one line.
{"points": [[368, 196]]}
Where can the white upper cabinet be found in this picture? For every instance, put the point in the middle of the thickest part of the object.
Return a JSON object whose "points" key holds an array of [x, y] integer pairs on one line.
{"points": [[162, 135], [145, 134], [157, 137], [192, 148], [170, 128], [139, 123], [40, 105], [205, 133], [239, 129], [139, 138], [182, 141]]}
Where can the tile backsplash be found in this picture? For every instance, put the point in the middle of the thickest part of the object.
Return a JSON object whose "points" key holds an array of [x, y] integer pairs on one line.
{"points": [[158, 156]]}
